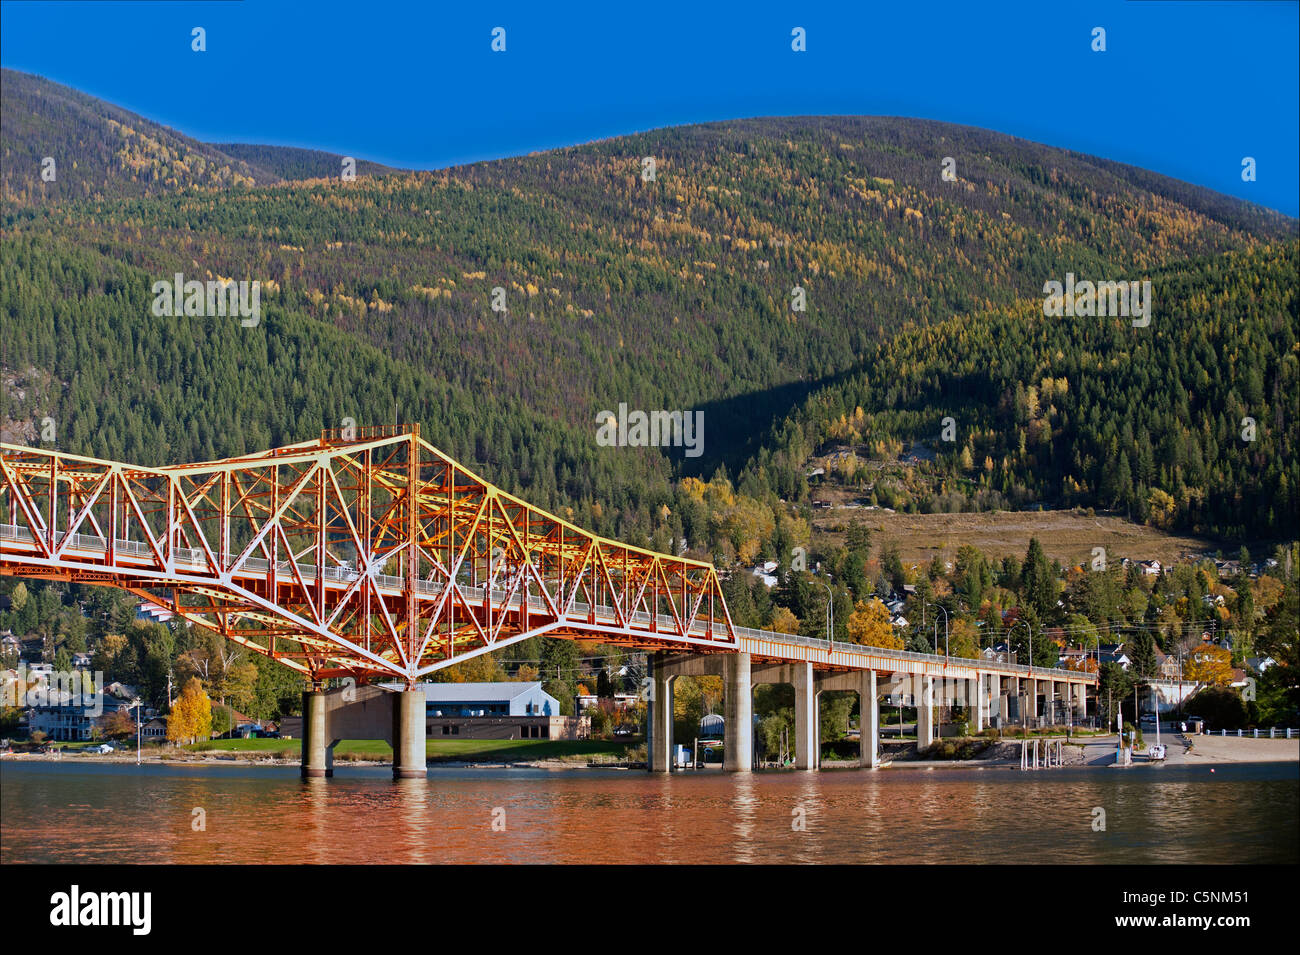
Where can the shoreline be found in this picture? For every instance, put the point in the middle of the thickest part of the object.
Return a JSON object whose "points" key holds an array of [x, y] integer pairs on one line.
{"points": [[1099, 753], [1093, 753]]}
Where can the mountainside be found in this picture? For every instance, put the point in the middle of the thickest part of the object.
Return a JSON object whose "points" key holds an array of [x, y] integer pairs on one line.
{"points": [[1188, 422], [101, 151], [667, 293]]}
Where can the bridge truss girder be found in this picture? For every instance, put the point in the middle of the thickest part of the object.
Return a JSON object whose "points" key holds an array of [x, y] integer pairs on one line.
{"points": [[425, 564]]}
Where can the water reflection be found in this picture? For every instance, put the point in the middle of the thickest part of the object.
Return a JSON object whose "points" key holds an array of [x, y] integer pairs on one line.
{"points": [[53, 812], [744, 809]]}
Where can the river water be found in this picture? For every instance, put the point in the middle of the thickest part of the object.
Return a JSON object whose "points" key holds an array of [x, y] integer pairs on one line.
{"points": [[106, 812]]}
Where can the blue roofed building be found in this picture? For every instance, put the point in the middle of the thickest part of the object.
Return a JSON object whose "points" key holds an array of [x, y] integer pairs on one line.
{"points": [[497, 711], [488, 699]]}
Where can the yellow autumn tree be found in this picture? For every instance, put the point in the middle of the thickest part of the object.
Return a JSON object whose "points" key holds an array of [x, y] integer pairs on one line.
{"points": [[964, 639], [484, 668], [1161, 505], [869, 625], [191, 715], [783, 621], [1212, 665]]}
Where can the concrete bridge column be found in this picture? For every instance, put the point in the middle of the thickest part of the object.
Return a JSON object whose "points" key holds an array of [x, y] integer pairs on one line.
{"points": [[738, 707], [409, 734], [317, 748], [807, 742], [1080, 701], [925, 712], [1031, 698], [869, 722], [995, 698], [979, 686], [1011, 689], [1049, 700], [659, 719]]}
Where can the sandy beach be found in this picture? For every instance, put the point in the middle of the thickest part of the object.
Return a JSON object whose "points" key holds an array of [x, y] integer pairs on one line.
{"points": [[1230, 749]]}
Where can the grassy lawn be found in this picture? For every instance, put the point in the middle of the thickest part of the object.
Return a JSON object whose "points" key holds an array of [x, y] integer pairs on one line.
{"points": [[437, 750], [243, 745], [1066, 535], [515, 749]]}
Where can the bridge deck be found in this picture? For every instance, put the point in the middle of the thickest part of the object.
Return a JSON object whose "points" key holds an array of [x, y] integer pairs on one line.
{"points": [[190, 566]]}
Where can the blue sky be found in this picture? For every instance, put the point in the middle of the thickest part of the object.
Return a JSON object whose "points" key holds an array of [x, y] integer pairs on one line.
{"points": [[1185, 88]]}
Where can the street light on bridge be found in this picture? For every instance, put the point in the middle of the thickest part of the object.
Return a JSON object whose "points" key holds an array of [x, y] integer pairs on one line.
{"points": [[830, 613], [1010, 631], [936, 626]]}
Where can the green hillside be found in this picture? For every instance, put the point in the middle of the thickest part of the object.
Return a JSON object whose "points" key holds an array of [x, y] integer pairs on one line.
{"points": [[1079, 411]]}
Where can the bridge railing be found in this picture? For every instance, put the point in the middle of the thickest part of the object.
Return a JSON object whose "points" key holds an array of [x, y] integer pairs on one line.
{"points": [[835, 645]]}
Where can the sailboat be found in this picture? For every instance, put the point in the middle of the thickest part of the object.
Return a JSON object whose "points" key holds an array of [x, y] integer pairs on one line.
{"points": [[1157, 752]]}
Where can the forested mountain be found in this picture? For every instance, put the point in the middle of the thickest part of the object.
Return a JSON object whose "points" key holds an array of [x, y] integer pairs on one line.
{"points": [[1189, 422], [670, 292], [102, 151]]}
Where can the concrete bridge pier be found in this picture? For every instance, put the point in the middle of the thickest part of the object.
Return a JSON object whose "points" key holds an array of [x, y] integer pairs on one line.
{"points": [[1049, 700], [659, 719], [807, 729], [317, 749], [738, 710], [409, 734], [363, 712], [869, 722], [807, 732], [1080, 701], [865, 684], [925, 713], [738, 706], [980, 687], [1030, 708]]}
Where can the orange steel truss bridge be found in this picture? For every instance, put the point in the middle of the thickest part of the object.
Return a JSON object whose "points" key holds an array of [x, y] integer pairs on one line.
{"points": [[366, 553]]}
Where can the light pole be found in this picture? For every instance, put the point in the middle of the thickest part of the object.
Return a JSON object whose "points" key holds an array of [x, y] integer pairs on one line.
{"points": [[1010, 631], [1180, 680], [830, 613], [135, 705], [936, 627]]}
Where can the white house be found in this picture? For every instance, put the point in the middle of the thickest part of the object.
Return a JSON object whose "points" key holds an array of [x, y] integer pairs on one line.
{"points": [[766, 572]]}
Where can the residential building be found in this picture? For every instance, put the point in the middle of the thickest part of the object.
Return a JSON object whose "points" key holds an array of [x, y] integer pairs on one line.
{"points": [[766, 572], [152, 613], [621, 701], [1167, 666], [497, 711], [1113, 653]]}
